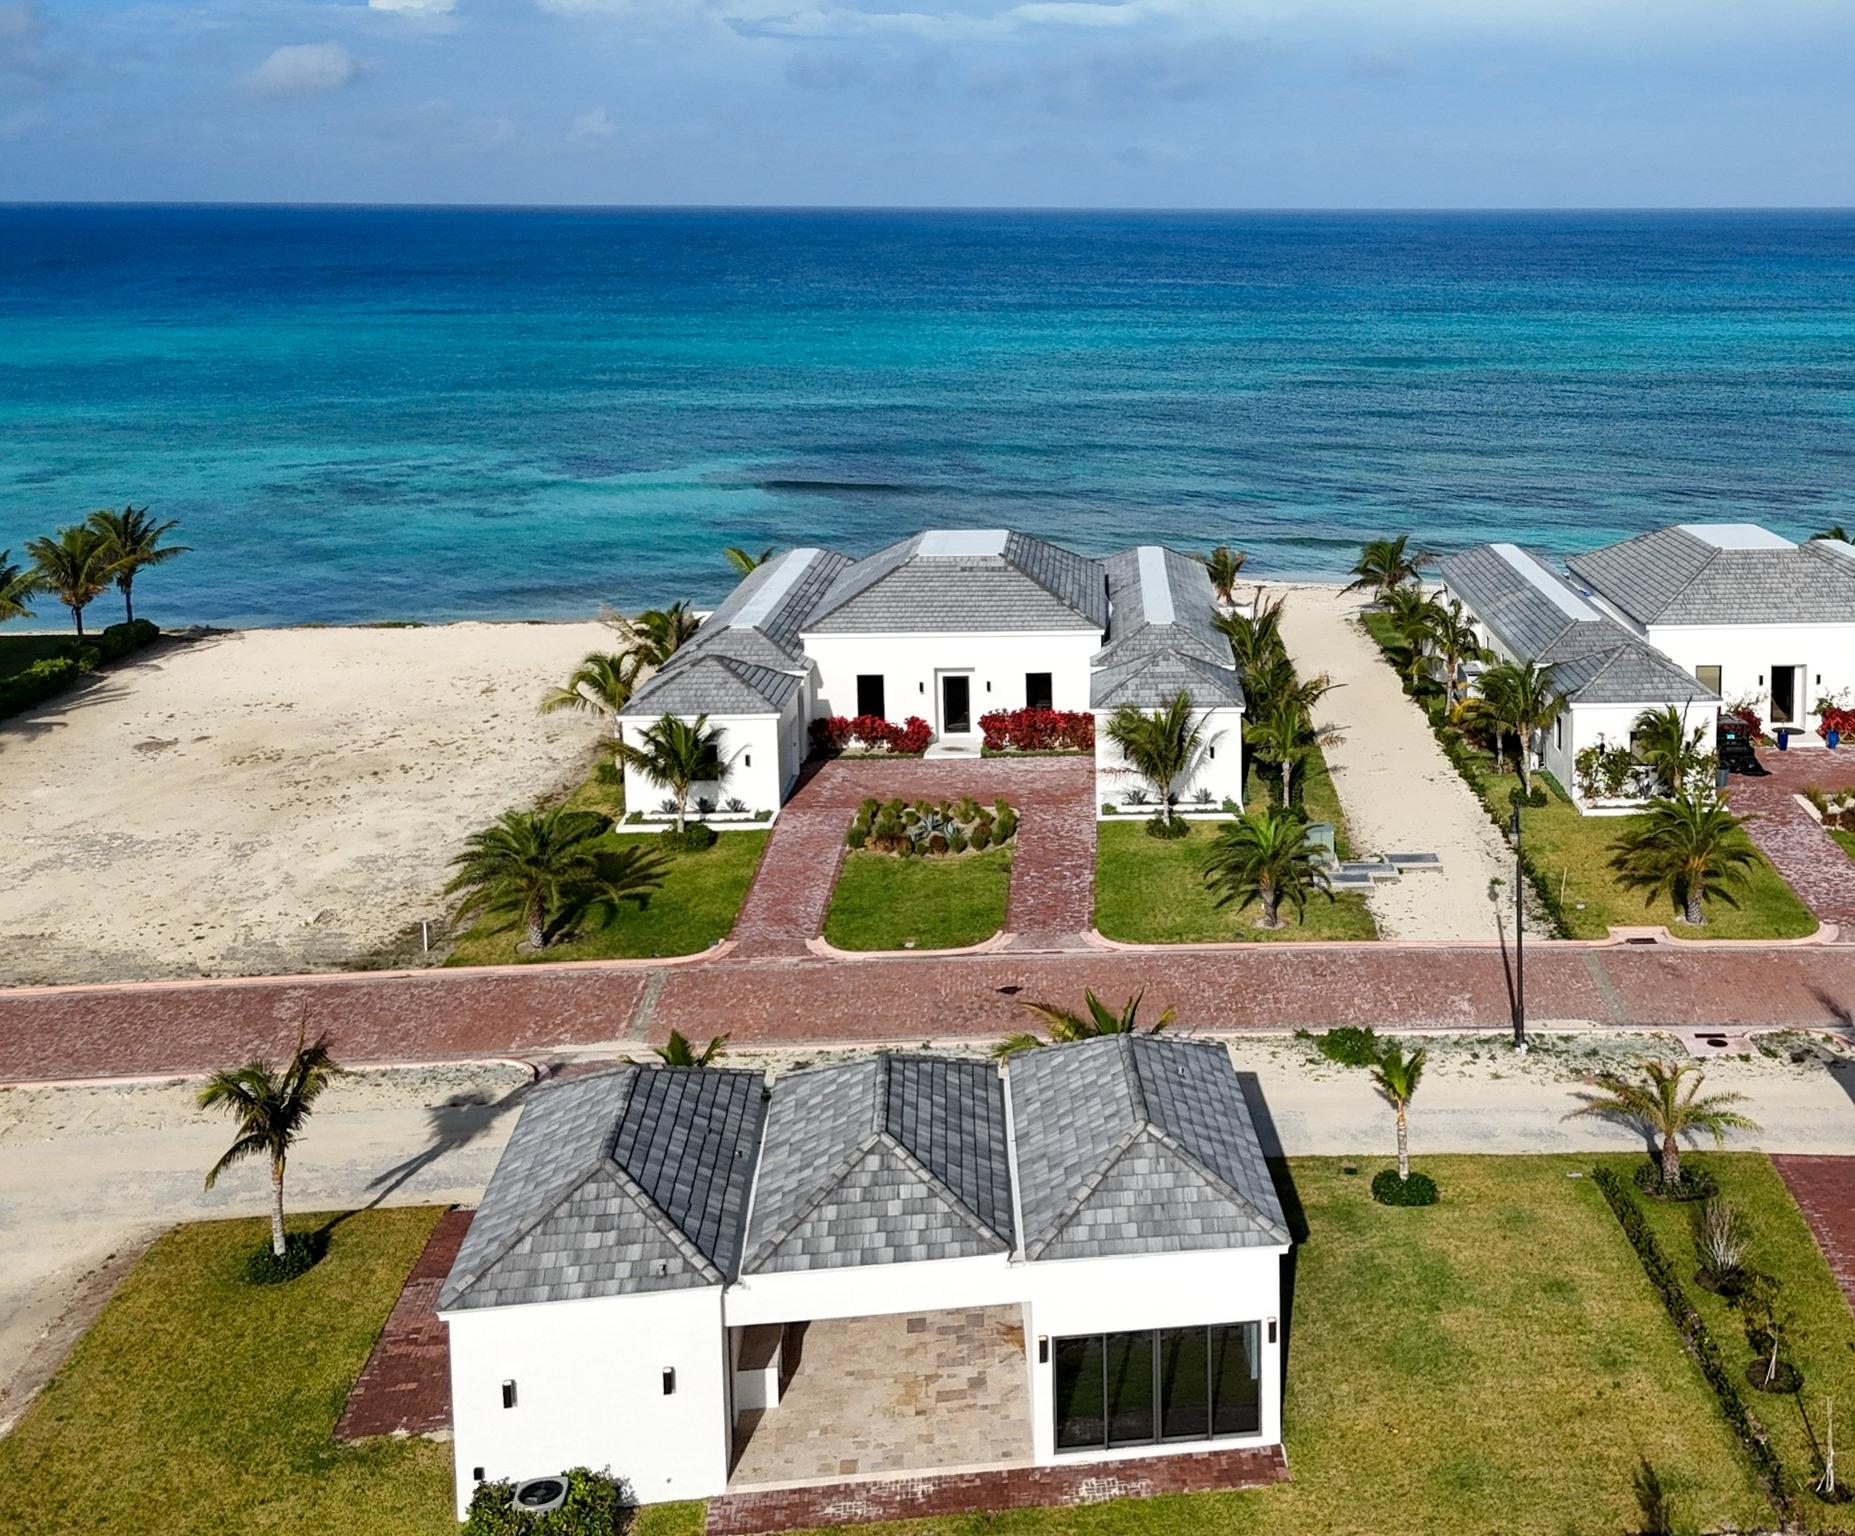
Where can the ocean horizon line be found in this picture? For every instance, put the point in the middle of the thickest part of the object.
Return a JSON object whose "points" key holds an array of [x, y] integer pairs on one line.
{"points": [[1061, 210]]}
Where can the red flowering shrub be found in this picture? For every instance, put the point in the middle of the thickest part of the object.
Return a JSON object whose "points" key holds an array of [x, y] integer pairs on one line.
{"points": [[833, 734], [1842, 721], [872, 731], [1753, 724], [830, 735], [914, 736], [1038, 730]]}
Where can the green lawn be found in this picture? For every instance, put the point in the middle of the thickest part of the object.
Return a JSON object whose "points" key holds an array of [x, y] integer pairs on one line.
{"points": [[693, 906], [1151, 890], [886, 902], [1495, 1363], [17, 652], [1823, 1338], [1845, 840]]}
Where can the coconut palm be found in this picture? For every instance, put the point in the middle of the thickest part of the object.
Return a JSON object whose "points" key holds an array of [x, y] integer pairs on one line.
{"points": [[1276, 686], [1665, 743], [1384, 564], [1286, 737], [1065, 1026], [1255, 639], [18, 583], [271, 1106], [1396, 1077], [1222, 566], [1414, 616], [678, 1052], [1521, 699], [135, 544], [1691, 847], [744, 562], [1265, 857], [677, 754], [74, 567], [602, 683], [536, 865], [1835, 532], [656, 634], [1453, 636], [1665, 1109], [1163, 747]]}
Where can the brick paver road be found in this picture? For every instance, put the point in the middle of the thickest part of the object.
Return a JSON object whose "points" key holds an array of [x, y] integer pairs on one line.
{"points": [[1814, 865], [1824, 1189]]}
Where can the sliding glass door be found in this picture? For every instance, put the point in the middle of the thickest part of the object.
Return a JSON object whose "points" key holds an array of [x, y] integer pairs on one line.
{"points": [[1155, 1385]]}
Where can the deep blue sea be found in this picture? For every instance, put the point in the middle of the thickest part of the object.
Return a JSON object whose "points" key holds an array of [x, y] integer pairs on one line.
{"points": [[401, 413]]}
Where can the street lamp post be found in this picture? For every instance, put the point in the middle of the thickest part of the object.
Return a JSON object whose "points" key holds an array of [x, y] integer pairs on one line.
{"points": [[1520, 955]]}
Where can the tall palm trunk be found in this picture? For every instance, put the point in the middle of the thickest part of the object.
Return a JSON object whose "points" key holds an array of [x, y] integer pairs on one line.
{"points": [[1694, 913], [128, 603], [277, 1204], [682, 808], [77, 613], [1524, 749], [534, 920], [1271, 904], [1500, 750], [1288, 770], [1671, 1159], [1404, 1147]]}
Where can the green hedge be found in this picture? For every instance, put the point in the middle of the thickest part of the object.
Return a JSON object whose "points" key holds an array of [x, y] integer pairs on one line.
{"points": [[1694, 1332], [48, 677]]}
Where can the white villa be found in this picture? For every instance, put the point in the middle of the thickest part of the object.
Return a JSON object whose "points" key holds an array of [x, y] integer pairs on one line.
{"points": [[670, 1265], [949, 625], [1699, 616]]}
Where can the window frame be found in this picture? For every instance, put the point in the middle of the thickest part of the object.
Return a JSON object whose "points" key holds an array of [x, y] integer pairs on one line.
{"points": [[1098, 1355]]}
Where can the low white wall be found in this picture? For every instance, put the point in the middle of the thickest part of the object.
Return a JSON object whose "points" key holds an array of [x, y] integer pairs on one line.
{"points": [[763, 759], [589, 1392], [1219, 769], [911, 664]]}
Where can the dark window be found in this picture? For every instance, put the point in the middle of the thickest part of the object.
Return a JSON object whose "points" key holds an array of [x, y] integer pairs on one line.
{"points": [[869, 694], [1236, 1399], [1184, 1384], [508, 1394], [1038, 693], [1157, 1384], [1079, 1393], [1130, 1389], [1558, 730]]}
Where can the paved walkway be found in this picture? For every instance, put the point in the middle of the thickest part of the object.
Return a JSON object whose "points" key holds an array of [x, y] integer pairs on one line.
{"points": [[1824, 1189], [405, 1387], [1809, 859], [746, 1514], [1053, 870]]}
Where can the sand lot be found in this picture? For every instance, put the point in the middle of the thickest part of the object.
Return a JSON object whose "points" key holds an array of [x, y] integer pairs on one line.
{"points": [[270, 800]]}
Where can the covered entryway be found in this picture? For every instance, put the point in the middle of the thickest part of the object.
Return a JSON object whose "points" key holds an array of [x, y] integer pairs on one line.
{"points": [[1786, 684], [956, 703], [869, 1396]]}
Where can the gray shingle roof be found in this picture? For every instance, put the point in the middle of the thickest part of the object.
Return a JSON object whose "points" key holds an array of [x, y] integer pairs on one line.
{"points": [[1719, 574], [1154, 681], [704, 684], [1179, 616], [889, 1159], [1632, 673], [965, 579], [1137, 1144], [631, 1180], [775, 599]]}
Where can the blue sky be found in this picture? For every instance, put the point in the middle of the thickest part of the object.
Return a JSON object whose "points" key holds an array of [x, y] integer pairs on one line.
{"points": [[1069, 103]]}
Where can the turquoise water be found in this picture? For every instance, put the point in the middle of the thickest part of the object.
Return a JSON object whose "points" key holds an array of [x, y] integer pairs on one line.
{"points": [[363, 414]]}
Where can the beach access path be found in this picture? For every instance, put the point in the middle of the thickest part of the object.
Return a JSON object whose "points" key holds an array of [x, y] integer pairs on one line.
{"points": [[1400, 794]]}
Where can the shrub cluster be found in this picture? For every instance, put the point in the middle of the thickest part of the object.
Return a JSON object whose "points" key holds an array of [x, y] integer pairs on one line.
{"points": [[695, 836], [1695, 1184], [301, 1251], [1038, 730], [597, 1504], [1695, 1334], [1841, 721], [51, 675], [927, 828], [1389, 1189], [834, 734], [1350, 1046]]}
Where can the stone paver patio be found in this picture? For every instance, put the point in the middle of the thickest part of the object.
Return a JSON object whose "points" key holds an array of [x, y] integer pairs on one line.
{"points": [[907, 1392]]}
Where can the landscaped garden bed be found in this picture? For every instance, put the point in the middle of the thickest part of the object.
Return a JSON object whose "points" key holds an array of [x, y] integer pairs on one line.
{"points": [[1037, 733], [869, 736]]}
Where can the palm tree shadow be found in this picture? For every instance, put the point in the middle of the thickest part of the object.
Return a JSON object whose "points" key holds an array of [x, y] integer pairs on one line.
{"points": [[1292, 1208]]}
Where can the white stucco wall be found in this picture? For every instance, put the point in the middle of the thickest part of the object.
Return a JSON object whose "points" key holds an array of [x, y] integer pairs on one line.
{"points": [[763, 751], [1747, 654], [911, 665], [589, 1392], [1219, 769], [873, 1290]]}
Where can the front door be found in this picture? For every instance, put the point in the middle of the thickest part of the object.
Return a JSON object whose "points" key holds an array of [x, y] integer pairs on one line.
{"points": [[956, 705], [1784, 695]]}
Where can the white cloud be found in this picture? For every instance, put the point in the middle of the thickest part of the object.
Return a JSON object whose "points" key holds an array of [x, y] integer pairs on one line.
{"points": [[304, 69], [593, 126], [414, 7]]}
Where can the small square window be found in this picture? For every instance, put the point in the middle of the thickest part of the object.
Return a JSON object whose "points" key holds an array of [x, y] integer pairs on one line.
{"points": [[1039, 693], [669, 1381], [508, 1394]]}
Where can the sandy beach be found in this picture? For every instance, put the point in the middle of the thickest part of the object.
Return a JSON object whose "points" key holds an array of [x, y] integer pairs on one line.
{"points": [[270, 800]]}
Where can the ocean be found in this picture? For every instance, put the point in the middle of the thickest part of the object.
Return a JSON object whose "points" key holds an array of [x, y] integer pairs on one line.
{"points": [[368, 413]]}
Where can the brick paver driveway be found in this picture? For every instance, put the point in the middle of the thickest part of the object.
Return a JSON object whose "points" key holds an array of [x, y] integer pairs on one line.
{"points": [[1053, 870], [1814, 865], [1824, 1189]]}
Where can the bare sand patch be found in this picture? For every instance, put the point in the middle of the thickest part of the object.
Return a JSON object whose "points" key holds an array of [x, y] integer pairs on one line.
{"points": [[270, 800]]}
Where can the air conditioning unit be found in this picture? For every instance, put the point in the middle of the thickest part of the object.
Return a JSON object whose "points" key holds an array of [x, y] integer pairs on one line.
{"points": [[540, 1495]]}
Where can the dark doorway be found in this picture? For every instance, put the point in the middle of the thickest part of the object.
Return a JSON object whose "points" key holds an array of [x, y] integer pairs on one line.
{"points": [[1784, 695], [956, 699], [869, 694]]}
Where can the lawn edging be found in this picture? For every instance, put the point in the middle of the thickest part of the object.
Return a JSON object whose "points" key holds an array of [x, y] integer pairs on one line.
{"points": [[1697, 1337]]}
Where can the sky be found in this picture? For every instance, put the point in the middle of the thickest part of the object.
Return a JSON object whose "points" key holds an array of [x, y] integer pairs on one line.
{"points": [[1019, 103]]}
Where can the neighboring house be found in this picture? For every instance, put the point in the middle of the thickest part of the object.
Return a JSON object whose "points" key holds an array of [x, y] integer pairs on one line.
{"points": [[948, 625], [1758, 619], [656, 1240], [1525, 611]]}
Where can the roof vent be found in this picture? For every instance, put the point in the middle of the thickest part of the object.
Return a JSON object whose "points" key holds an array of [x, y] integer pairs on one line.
{"points": [[540, 1495]]}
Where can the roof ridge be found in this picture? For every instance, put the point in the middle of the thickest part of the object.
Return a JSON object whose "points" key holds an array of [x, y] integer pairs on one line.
{"points": [[942, 1188], [660, 1218], [1079, 1195], [1178, 1148], [824, 1188], [1044, 586]]}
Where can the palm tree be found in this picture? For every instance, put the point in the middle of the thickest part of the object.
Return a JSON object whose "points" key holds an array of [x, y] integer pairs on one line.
{"points": [[656, 634], [677, 754], [678, 1052], [74, 567], [536, 864], [1453, 635], [1065, 1026], [1660, 1106], [1665, 743], [1396, 1077], [17, 584], [1689, 846], [270, 1107], [1286, 737], [135, 544], [1266, 857], [1255, 639], [1222, 566], [1835, 532], [602, 682], [1162, 747], [1520, 699], [745, 563], [1277, 686], [1414, 615], [1384, 564]]}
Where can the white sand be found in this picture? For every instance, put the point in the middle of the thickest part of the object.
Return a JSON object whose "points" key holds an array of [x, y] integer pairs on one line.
{"points": [[1400, 794], [270, 800]]}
